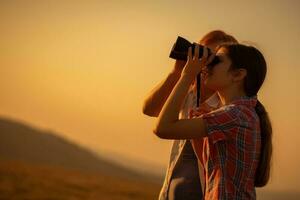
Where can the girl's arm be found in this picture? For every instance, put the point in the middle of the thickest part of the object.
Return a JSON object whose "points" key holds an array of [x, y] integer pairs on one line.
{"points": [[169, 126]]}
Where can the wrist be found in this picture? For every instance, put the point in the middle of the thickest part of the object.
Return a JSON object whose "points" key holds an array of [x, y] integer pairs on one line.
{"points": [[175, 74], [188, 78]]}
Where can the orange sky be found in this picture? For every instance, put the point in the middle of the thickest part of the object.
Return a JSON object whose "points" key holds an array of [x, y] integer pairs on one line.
{"points": [[83, 69]]}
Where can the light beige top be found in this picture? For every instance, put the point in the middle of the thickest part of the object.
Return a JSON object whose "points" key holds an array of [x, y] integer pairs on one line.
{"points": [[188, 104]]}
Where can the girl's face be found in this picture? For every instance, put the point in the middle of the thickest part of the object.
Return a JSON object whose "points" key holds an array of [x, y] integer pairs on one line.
{"points": [[219, 77]]}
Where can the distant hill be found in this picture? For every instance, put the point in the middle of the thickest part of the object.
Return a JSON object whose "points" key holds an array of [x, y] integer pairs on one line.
{"points": [[37, 164], [22, 142]]}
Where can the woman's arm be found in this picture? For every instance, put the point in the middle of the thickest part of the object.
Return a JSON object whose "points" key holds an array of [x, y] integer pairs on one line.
{"points": [[158, 95]]}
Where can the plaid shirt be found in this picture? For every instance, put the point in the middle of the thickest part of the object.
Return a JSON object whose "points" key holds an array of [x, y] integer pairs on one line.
{"points": [[230, 152]]}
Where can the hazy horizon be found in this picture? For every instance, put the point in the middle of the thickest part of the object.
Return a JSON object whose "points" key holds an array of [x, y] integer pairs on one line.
{"points": [[84, 68]]}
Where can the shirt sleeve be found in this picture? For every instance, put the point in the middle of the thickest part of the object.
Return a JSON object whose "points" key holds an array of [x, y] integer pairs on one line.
{"points": [[220, 123]]}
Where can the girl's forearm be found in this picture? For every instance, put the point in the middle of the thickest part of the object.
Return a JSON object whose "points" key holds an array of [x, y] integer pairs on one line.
{"points": [[172, 106]]}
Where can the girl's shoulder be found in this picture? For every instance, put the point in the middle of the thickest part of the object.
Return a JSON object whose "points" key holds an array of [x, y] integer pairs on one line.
{"points": [[233, 112], [243, 105]]}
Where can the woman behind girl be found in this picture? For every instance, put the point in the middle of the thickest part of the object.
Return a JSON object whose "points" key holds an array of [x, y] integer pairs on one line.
{"points": [[233, 142]]}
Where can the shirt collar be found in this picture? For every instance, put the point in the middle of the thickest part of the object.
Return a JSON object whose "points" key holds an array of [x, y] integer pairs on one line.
{"points": [[245, 100], [214, 100]]}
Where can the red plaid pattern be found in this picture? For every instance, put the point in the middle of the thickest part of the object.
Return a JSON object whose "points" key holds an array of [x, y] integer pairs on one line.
{"points": [[230, 153]]}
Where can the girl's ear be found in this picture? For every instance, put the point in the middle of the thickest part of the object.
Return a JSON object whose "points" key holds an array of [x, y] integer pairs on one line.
{"points": [[239, 74]]}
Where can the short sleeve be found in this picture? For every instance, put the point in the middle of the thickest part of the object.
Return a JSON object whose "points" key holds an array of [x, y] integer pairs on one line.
{"points": [[220, 122]]}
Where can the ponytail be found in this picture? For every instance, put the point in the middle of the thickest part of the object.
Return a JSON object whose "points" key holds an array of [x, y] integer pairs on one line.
{"points": [[263, 169]]}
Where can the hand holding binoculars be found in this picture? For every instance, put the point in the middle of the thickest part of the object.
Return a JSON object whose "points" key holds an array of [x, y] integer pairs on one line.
{"points": [[180, 48]]}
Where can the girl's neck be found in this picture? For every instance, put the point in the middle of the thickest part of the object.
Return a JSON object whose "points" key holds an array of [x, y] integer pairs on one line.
{"points": [[227, 96]]}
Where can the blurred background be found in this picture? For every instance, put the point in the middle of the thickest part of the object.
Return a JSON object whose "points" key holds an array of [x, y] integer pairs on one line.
{"points": [[74, 76]]}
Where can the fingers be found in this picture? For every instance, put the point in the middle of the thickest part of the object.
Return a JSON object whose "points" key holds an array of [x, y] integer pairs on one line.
{"points": [[211, 57], [196, 54], [190, 54], [205, 52], [207, 59]]}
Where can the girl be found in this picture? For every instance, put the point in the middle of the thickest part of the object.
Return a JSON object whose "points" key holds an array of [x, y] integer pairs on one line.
{"points": [[184, 176], [233, 141]]}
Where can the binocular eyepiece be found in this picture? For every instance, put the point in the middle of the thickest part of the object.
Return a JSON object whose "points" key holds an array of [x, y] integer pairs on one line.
{"points": [[180, 51]]}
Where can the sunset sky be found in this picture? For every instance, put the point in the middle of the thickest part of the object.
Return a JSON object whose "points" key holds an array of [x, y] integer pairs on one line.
{"points": [[82, 69]]}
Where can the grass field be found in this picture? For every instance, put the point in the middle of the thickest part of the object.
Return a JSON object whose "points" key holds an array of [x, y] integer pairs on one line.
{"points": [[19, 180]]}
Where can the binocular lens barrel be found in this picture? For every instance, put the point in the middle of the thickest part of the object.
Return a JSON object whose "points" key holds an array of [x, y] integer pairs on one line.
{"points": [[180, 51]]}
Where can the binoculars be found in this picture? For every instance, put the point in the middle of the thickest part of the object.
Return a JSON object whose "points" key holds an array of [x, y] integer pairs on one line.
{"points": [[180, 51]]}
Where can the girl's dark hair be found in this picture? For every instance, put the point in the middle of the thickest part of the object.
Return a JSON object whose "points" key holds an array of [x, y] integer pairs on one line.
{"points": [[251, 59]]}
